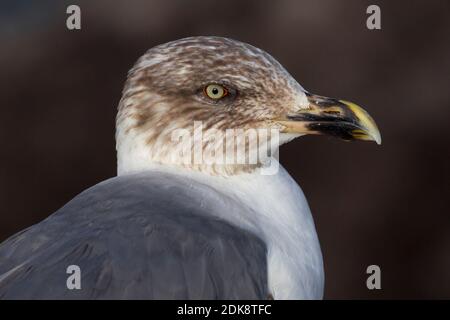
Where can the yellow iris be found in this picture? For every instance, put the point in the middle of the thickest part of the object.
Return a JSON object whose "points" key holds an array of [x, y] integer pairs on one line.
{"points": [[215, 91]]}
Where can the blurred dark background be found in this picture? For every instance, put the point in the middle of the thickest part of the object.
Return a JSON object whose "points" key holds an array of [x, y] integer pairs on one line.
{"points": [[384, 205]]}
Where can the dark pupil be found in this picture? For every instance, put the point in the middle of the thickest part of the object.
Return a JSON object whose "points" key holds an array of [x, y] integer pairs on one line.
{"points": [[215, 91]]}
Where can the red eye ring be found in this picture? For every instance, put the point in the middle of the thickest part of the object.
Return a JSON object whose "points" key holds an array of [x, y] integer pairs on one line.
{"points": [[215, 91]]}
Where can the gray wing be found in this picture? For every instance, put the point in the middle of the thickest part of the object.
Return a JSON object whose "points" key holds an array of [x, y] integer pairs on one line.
{"points": [[136, 237]]}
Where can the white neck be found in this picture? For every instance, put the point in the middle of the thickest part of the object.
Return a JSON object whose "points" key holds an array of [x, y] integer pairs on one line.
{"points": [[282, 219], [280, 215]]}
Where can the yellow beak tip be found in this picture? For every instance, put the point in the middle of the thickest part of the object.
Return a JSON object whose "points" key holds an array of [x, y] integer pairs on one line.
{"points": [[371, 130], [377, 139]]}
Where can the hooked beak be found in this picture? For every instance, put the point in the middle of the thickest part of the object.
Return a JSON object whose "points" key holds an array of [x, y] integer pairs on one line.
{"points": [[338, 118]]}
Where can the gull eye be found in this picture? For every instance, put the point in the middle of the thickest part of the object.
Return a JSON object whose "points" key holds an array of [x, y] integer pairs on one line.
{"points": [[215, 91]]}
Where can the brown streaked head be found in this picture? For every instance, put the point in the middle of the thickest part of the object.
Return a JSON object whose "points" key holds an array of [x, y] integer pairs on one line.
{"points": [[225, 84]]}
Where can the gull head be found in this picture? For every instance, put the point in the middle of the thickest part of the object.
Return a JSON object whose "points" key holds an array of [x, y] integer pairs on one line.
{"points": [[222, 106]]}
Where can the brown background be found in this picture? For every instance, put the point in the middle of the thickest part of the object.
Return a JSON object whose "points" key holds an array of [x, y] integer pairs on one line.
{"points": [[385, 205]]}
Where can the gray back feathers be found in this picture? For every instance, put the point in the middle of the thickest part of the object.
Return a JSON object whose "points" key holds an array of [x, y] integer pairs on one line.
{"points": [[144, 236]]}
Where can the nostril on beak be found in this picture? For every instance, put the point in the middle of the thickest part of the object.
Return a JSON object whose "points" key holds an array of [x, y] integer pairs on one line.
{"points": [[334, 112]]}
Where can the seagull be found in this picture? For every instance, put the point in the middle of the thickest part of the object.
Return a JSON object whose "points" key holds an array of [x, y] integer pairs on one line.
{"points": [[179, 221]]}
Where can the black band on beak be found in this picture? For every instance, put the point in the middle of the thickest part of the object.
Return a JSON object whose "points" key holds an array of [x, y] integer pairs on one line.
{"points": [[338, 118]]}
